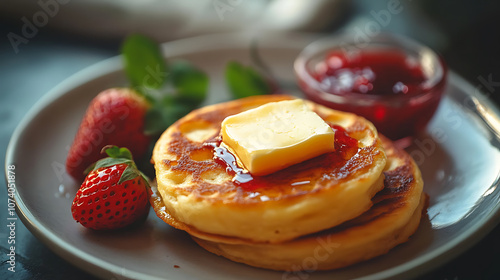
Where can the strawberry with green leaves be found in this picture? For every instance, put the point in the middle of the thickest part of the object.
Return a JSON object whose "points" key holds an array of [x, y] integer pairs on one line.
{"points": [[114, 194]]}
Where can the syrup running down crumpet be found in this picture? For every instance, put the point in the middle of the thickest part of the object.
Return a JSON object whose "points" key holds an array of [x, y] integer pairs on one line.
{"points": [[258, 180]]}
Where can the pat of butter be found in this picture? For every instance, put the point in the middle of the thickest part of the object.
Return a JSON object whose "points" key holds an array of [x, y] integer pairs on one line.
{"points": [[276, 135]]}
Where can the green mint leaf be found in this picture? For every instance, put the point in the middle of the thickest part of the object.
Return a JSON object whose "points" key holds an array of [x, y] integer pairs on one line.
{"points": [[129, 173], [165, 113], [245, 81], [191, 83], [144, 63]]}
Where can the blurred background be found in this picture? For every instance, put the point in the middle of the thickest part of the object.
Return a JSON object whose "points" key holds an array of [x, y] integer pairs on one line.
{"points": [[43, 42]]}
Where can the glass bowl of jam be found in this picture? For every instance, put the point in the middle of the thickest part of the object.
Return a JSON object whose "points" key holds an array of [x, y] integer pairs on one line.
{"points": [[391, 80]]}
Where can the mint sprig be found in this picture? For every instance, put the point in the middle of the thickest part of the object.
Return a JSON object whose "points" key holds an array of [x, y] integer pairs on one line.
{"points": [[191, 83], [173, 89], [165, 112]]}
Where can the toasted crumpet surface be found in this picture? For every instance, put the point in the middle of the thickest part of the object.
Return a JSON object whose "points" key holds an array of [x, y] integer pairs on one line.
{"points": [[197, 194]]}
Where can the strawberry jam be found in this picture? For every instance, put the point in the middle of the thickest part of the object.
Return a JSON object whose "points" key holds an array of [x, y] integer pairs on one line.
{"points": [[345, 148], [375, 73], [397, 91], [345, 145]]}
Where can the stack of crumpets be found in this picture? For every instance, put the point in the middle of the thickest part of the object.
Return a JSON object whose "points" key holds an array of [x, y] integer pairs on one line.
{"points": [[264, 180]]}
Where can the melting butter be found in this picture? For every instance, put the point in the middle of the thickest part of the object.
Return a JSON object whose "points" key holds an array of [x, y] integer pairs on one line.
{"points": [[276, 135]]}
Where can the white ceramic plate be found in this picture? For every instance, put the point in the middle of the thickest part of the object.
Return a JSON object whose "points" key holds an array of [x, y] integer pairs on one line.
{"points": [[459, 158]]}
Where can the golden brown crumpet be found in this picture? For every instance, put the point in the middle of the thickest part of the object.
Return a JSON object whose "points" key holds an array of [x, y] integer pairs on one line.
{"points": [[200, 196], [393, 218]]}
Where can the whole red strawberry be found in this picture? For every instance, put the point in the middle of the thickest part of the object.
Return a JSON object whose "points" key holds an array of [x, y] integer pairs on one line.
{"points": [[114, 117], [113, 195]]}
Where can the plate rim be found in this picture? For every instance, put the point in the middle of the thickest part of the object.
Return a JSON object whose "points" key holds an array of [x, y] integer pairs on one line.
{"points": [[99, 267]]}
